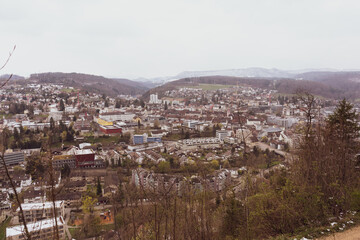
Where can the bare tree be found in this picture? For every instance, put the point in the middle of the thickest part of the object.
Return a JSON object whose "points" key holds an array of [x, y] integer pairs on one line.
{"points": [[27, 233]]}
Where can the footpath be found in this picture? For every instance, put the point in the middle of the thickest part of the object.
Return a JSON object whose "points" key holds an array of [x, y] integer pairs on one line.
{"points": [[350, 234]]}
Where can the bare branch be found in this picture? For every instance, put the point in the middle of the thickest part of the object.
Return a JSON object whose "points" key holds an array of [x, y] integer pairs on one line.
{"points": [[4, 83], [8, 59], [2, 67], [27, 233]]}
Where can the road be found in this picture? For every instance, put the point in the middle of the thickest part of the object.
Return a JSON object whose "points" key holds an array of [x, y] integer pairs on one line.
{"points": [[67, 217], [350, 234], [264, 146]]}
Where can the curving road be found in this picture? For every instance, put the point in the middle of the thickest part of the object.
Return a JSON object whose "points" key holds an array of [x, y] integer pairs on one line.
{"points": [[350, 234]]}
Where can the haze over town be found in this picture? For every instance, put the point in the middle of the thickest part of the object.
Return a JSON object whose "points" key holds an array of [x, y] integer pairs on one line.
{"points": [[175, 120]]}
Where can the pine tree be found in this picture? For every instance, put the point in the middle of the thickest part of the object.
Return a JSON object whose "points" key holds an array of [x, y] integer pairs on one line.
{"points": [[142, 103], [343, 131], [16, 135], [52, 124], [61, 105], [117, 104], [98, 189]]}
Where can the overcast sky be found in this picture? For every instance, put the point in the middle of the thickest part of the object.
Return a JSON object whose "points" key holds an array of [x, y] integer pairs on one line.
{"points": [[153, 38]]}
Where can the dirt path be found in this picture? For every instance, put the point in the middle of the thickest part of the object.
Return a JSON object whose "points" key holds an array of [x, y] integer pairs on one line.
{"points": [[350, 234]]}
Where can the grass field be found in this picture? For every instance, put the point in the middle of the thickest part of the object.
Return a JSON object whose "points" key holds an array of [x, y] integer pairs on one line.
{"points": [[3, 229], [104, 228], [210, 87], [72, 231], [289, 95], [67, 90], [102, 139]]}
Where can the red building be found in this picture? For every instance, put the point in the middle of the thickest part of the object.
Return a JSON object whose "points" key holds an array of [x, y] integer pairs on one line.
{"points": [[110, 129], [85, 158]]}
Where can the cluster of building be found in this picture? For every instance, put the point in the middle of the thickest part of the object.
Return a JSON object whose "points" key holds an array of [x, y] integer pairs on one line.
{"points": [[184, 126], [41, 220]]}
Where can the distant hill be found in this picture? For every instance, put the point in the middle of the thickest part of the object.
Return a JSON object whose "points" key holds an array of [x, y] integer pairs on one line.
{"points": [[91, 83], [253, 72], [326, 76], [14, 77], [240, 72], [346, 82], [283, 85]]}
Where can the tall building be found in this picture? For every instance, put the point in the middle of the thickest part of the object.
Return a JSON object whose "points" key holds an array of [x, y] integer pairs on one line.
{"points": [[140, 139], [42, 230], [14, 158], [221, 134], [154, 99], [85, 158], [35, 212], [144, 138]]}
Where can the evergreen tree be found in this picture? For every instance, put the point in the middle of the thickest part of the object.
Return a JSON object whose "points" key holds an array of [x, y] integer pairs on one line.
{"points": [[142, 103], [98, 188], [16, 135], [52, 124], [344, 122], [234, 218], [61, 105], [343, 131], [65, 171], [117, 104]]}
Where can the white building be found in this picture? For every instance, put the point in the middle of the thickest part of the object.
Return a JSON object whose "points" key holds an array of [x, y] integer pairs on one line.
{"points": [[222, 134], [39, 230], [116, 116], [154, 99], [35, 212]]}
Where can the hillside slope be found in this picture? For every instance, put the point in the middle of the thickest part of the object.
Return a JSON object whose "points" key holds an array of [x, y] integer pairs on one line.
{"points": [[283, 85], [91, 83]]}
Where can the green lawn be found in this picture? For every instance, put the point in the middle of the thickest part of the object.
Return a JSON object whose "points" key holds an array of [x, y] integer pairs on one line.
{"points": [[66, 143], [3, 228], [104, 228], [4, 115], [290, 95], [72, 231], [210, 87], [102, 139], [172, 137], [67, 90]]}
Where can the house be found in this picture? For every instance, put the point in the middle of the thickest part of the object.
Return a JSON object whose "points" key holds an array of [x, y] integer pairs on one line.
{"points": [[59, 161], [35, 212], [221, 134], [34, 195], [113, 157], [153, 156], [253, 121], [76, 186], [42, 230], [89, 176], [116, 116], [14, 158], [210, 156], [70, 199], [114, 129]]}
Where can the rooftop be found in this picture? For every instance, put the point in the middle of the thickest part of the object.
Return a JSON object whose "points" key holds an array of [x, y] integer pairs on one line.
{"points": [[36, 226], [45, 205], [83, 151]]}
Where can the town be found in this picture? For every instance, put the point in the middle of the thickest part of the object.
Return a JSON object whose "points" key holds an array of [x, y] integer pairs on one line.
{"points": [[75, 158]]}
